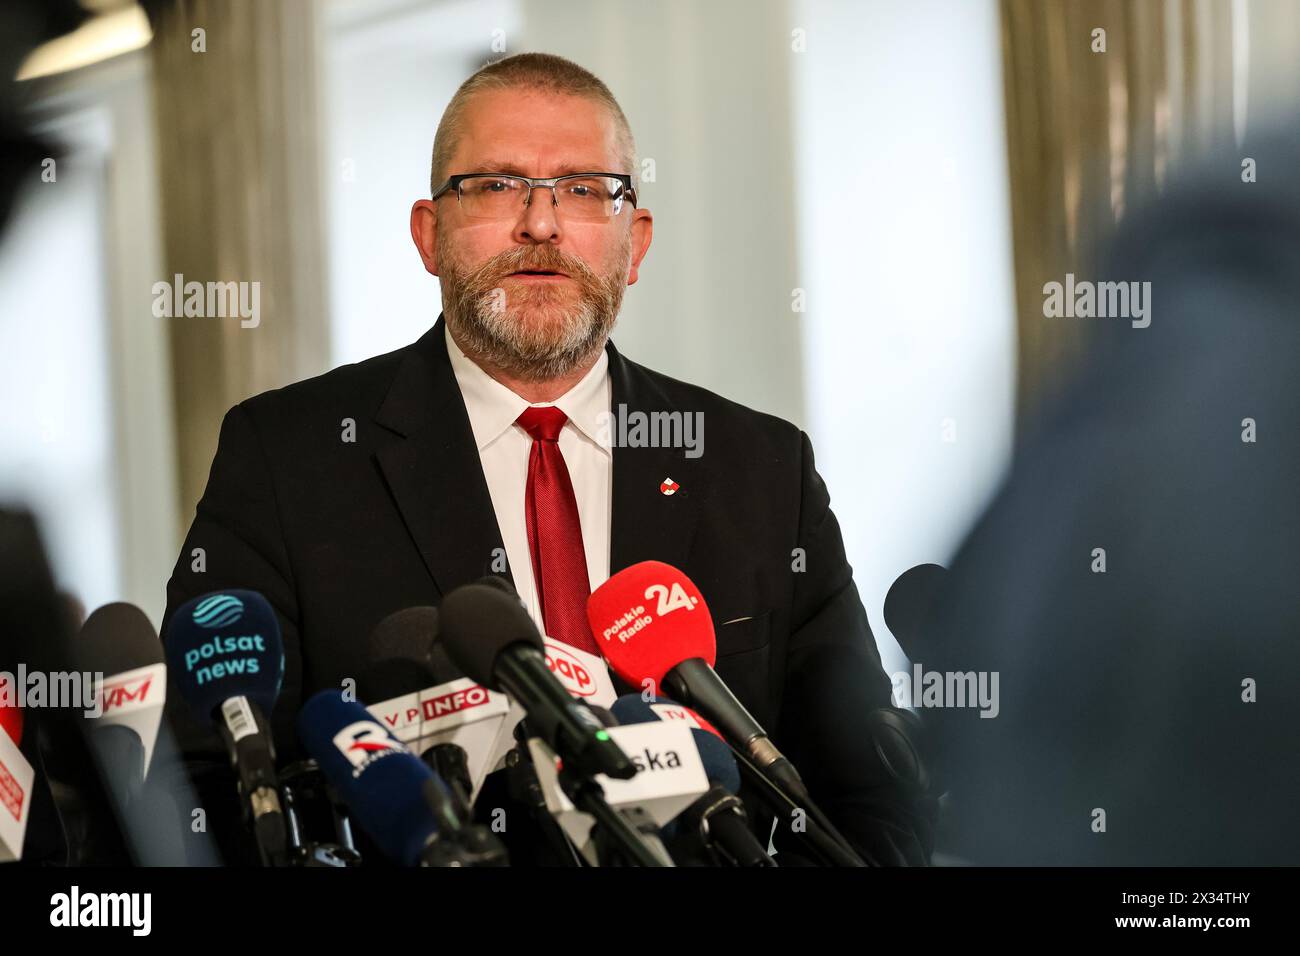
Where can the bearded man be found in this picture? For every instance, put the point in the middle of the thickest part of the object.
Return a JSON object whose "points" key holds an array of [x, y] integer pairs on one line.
{"points": [[494, 445]]}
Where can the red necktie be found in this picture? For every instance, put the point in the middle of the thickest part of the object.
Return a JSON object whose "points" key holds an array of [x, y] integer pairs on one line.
{"points": [[555, 534]]}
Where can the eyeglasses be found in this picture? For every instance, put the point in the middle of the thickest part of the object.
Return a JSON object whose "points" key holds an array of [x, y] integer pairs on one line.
{"points": [[586, 196]]}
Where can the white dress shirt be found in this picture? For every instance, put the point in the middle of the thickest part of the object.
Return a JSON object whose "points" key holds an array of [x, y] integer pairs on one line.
{"points": [[504, 446]]}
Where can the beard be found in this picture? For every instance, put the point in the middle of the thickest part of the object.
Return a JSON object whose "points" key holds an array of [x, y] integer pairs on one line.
{"points": [[535, 331]]}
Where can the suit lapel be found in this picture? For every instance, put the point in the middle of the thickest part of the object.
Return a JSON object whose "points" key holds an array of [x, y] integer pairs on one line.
{"points": [[433, 471], [646, 523], [432, 467]]}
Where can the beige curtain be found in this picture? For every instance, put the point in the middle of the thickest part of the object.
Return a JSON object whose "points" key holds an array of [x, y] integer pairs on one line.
{"points": [[239, 183], [1091, 133]]}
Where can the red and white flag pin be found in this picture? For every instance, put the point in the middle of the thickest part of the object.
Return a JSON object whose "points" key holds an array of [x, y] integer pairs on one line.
{"points": [[668, 486]]}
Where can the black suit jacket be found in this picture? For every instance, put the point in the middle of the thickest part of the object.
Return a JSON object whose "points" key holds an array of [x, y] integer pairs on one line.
{"points": [[337, 535]]}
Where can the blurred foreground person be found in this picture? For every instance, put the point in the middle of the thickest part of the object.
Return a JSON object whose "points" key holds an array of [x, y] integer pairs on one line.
{"points": [[1148, 711]]}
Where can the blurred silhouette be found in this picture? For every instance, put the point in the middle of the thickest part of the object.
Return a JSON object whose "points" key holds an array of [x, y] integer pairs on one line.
{"points": [[1161, 691]]}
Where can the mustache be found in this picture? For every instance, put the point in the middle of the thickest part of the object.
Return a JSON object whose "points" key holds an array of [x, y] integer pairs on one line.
{"points": [[535, 259]]}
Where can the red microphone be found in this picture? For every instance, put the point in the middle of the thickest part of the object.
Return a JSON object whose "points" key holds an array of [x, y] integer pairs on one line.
{"points": [[649, 618], [651, 624]]}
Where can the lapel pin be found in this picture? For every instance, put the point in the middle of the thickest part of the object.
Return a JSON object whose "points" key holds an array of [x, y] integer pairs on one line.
{"points": [[668, 486]]}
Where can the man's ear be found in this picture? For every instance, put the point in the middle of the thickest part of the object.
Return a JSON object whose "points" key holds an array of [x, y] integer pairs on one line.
{"points": [[642, 230], [424, 232]]}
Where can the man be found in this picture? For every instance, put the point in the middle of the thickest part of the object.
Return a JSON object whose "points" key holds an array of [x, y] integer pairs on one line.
{"points": [[485, 447]]}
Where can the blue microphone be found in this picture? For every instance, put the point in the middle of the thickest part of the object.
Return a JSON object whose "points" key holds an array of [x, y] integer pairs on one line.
{"points": [[227, 660], [716, 824], [398, 800]]}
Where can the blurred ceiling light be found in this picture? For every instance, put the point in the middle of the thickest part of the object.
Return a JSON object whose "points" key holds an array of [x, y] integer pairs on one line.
{"points": [[110, 34]]}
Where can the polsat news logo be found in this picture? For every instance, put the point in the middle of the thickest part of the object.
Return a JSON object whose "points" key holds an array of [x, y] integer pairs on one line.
{"points": [[122, 694], [219, 610]]}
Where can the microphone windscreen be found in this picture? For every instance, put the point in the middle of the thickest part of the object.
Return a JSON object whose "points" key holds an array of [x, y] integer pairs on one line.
{"points": [[719, 763], [399, 649], [222, 645], [910, 606], [500, 583], [116, 638], [408, 633], [381, 781], [479, 621], [649, 618]]}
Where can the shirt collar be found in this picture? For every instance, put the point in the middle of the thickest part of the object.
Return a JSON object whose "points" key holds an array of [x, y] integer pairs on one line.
{"points": [[493, 408]]}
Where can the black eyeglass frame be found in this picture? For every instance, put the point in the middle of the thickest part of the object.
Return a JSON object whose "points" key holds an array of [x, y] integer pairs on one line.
{"points": [[453, 182]]}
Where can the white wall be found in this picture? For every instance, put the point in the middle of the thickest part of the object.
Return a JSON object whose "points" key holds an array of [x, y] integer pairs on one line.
{"points": [[906, 256]]}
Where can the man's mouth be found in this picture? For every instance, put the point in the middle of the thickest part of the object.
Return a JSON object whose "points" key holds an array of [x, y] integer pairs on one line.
{"points": [[540, 272]]}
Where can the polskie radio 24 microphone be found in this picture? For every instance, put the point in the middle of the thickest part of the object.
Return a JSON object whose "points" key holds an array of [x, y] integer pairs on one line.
{"points": [[227, 660], [16, 776], [118, 641], [652, 624], [395, 797], [455, 724], [716, 825]]}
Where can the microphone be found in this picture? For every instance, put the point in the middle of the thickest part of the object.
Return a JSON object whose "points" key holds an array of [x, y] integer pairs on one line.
{"points": [[227, 659], [627, 615], [910, 607], [716, 823], [400, 646], [395, 797], [16, 776], [119, 642], [428, 703], [489, 635]]}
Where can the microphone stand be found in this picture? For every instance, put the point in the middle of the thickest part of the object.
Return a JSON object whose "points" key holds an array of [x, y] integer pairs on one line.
{"points": [[821, 835], [304, 779], [589, 797]]}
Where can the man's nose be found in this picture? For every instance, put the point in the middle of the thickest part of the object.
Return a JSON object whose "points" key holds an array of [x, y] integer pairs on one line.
{"points": [[539, 221]]}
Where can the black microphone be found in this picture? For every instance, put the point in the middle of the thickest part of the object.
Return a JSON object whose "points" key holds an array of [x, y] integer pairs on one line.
{"points": [[118, 641], [401, 647], [490, 636], [227, 661], [911, 608]]}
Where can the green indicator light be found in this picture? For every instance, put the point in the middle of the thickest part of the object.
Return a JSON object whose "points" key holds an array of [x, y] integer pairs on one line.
{"points": [[602, 735]]}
